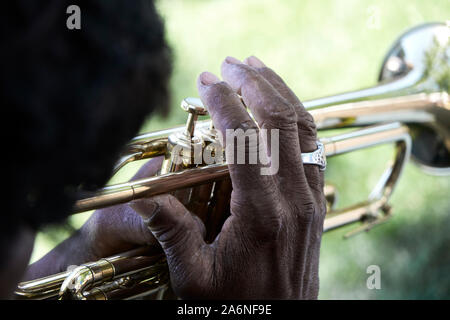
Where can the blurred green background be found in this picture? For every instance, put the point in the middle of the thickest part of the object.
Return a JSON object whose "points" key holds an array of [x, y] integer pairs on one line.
{"points": [[320, 48]]}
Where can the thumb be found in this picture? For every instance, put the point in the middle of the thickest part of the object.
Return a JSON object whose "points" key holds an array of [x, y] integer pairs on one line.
{"points": [[178, 231], [149, 169]]}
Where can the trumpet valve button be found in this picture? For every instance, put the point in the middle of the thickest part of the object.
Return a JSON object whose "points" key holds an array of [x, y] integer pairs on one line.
{"points": [[194, 106]]}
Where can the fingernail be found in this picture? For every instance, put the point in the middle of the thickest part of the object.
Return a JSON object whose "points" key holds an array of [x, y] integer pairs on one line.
{"points": [[232, 60], [146, 208], [254, 62], [207, 78]]}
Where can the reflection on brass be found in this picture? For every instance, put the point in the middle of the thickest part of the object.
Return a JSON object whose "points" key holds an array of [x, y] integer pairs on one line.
{"points": [[409, 108]]}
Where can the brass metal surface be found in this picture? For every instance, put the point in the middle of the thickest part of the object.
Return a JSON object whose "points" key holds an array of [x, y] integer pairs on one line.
{"points": [[408, 108]]}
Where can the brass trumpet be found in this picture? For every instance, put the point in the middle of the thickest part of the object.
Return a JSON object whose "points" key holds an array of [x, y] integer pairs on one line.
{"points": [[409, 108]]}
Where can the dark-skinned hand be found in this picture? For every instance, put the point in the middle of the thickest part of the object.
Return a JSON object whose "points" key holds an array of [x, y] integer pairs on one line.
{"points": [[269, 246]]}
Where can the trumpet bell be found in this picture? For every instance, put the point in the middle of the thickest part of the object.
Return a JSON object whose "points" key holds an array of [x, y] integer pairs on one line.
{"points": [[419, 61]]}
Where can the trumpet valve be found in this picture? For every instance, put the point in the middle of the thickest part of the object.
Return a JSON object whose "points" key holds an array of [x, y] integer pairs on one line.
{"points": [[184, 149], [194, 107]]}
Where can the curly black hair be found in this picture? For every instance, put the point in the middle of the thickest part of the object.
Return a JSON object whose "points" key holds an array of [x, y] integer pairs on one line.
{"points": [[72, 98]]}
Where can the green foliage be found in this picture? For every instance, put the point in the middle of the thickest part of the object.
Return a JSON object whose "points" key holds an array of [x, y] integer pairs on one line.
{"points": [[319, 48], [438, 65]]}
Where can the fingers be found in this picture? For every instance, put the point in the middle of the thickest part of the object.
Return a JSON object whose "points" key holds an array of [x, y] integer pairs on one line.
{"points": [[305, 123], [129, 226], [271, 111], [120, 228], [224, 105], [229, 116], [115, 229], [176, 229], [266, 104]]}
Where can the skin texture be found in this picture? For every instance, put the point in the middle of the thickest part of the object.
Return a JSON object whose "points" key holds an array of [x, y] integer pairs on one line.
{"points": [[269, 246]]}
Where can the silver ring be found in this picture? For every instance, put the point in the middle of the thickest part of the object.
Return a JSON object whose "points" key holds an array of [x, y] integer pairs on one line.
{"points": [[316, 157]]}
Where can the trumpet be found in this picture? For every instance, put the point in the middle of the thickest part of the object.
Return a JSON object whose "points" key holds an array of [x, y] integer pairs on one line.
{"points": [[409, 108]]}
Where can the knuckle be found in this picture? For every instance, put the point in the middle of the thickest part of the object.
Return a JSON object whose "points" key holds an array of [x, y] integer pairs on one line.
{"points": [[281, 113], [168, 236], [273, 225], [308, 209], [314, 178], [321, 201], [133, 229], [309, 220], [143, 231], [306, 124], [172, 223], [217, 94], [246, 126], [305, 212]]}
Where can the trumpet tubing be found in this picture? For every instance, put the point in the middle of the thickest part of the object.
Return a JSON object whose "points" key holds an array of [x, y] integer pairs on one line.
{"points": [[409, 108]]}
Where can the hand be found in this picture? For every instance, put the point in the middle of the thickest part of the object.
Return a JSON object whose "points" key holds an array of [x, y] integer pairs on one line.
{"points": [[269, 246], [119, 228]]}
